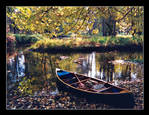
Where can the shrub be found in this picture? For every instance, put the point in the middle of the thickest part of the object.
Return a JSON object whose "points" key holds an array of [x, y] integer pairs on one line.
{"points": [[123, 41], [25, 39], [102, 40]]}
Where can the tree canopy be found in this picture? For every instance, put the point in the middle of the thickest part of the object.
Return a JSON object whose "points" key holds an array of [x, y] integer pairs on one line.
{"points": [[61, 20]]}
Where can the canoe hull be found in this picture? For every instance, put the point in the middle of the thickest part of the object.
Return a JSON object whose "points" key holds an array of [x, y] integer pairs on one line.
{"points": [[122, 100]]}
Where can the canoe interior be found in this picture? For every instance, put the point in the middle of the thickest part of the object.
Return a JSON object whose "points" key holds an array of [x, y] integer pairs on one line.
{"points": [[91, 84]]}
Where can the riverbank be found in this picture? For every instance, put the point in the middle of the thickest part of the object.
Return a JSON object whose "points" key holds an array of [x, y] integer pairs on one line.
{"points": [[95, 43], [41, 43]]}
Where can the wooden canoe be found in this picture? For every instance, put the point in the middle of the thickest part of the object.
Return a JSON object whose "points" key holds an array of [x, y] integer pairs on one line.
{"points": [[92, 85], [98, 89], [106, 93]]}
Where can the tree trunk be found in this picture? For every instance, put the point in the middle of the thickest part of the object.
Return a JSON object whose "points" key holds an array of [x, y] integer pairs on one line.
{"points": [[108, 27]]}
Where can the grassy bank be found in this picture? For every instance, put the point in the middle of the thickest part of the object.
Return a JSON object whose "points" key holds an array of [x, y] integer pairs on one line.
{"points": [[38, 42], [93, 43]]}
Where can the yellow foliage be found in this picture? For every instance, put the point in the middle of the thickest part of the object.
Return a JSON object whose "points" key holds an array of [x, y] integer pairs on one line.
{"points": [[95, 31], [37, 19]]}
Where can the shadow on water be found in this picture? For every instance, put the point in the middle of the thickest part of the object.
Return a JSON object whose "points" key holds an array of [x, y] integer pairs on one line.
{"points": [[126, 48]]}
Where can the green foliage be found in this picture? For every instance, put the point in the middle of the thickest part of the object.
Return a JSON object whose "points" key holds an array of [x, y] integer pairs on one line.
{"points": [[121, 41], [94, 39], [25, 39], [102, 40], [138, 39]]}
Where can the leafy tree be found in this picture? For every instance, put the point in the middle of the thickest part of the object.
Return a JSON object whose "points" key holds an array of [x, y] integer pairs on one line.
{"points": [[54, 21]]}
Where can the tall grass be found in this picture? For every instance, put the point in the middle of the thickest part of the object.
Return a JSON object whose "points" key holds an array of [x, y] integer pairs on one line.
{"points": [[50, 43], [86, 42]]}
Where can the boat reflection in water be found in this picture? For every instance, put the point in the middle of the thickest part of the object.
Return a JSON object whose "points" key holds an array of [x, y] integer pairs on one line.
{"points": [[16, 67]]}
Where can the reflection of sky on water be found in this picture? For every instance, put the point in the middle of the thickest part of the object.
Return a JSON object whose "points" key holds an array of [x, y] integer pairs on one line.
{"points": [[16, 67], [92, 63]]}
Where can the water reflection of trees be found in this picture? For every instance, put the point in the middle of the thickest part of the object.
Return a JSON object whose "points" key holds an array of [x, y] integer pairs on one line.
{"points": [[40, 68], [68, 64], [100, 67], [106, 69], [40, 71]]}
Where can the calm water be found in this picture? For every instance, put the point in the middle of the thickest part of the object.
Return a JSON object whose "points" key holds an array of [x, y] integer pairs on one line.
{"points": [[29, 72]]}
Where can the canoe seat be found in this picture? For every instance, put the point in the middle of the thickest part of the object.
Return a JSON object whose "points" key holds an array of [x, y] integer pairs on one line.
{"points": [[111, 90]]}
